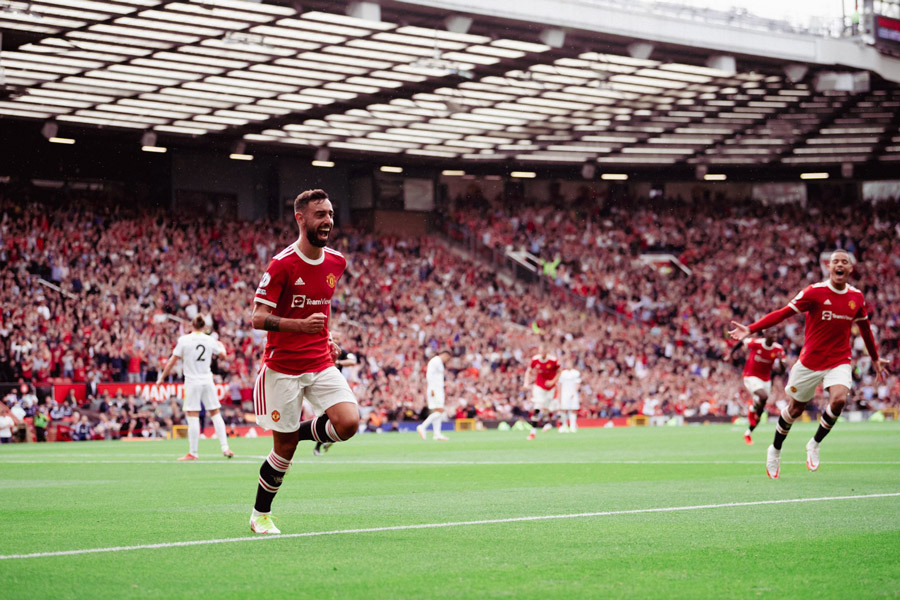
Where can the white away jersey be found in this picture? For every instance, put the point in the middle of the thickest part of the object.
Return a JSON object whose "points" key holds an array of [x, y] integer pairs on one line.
{"points": [[568, 389], [434, 374], [196, 351]]}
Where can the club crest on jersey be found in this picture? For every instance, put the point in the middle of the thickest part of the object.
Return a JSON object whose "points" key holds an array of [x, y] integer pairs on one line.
{"points": [[331, 280], [265, 280], [852, 305], [276, 416]]}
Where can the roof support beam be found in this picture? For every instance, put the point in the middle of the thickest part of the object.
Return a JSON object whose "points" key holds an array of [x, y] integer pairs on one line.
{"points": [[638, 24]]}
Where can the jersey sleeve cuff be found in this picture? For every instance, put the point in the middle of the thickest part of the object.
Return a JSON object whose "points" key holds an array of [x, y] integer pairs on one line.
{"points": [[860, 319], [266, 302]]}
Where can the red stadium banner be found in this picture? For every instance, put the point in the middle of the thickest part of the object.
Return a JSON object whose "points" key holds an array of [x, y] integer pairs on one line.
{"points": [[887, 29], [614, 422], [61, 391], [151, 391]]}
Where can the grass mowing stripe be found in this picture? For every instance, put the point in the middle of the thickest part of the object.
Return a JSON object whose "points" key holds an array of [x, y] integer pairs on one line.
{"points": [[257, 460], [613, 513]]}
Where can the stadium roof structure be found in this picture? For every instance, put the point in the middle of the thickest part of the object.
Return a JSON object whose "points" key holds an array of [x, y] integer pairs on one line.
{"points": [[419, 86]]}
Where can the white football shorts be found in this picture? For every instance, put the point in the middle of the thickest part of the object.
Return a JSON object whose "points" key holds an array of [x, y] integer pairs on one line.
{"points": [[754, 384], [278, 398], [569, 402], [541, 398], [802, 383], [197, 393], [435, 398]]}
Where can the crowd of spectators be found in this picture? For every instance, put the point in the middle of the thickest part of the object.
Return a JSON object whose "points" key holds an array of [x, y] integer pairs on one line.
{"points": [[93, 292], [103, 417], [744, 258]]}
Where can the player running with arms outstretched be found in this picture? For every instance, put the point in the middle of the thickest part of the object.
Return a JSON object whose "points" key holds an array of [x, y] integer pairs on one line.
{"points": [[293, 303], [762, 356], [832, 307]]}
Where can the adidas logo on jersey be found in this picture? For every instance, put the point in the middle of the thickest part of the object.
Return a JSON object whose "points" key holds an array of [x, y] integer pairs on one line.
{"points": [[827, 303], [299, 281]]}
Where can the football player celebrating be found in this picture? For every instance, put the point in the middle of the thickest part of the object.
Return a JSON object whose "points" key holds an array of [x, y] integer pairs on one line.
{"points": [[762, 356], [832, 307]]}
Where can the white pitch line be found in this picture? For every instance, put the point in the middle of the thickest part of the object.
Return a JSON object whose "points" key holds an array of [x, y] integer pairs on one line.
{"points": [[609, 513], [257, 459], [170, 461]]}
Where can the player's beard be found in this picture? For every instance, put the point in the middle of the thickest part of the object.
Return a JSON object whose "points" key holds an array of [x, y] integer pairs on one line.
{"points": [[312, 236]]}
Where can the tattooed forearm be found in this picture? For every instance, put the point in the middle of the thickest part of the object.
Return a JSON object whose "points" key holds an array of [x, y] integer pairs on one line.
{"points": [[272, 323]]}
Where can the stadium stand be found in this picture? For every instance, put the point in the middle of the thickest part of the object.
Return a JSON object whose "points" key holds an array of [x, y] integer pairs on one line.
{"points": [[638, 282], [126, 277]]}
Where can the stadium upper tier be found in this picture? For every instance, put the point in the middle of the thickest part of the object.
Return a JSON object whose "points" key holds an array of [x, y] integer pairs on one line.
{"points": [[270, 74], [662, 340]]}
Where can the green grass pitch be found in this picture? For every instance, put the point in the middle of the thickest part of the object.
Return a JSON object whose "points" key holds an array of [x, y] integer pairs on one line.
{"points": [[501, 517]]}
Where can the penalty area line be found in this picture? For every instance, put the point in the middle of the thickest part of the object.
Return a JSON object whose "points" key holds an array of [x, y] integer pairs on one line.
{"points": [[585, 515]]}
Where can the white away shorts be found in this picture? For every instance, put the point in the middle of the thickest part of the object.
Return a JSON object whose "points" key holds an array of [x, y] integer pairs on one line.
{"points": [[435, 398], [278, 398], [569, 402], [802, 383], [754, 384], [197, 393]]}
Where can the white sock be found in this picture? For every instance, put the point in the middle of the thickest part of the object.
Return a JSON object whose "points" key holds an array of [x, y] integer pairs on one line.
{"points": [[748, 432], [573, 420], [219, 424], [193, 434], [438, 420], [434, 420], [256, 513]]}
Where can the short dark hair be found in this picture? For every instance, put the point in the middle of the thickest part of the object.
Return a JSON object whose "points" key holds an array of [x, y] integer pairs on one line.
{"points": [[842, 251], [198, 323], [302, 200]]}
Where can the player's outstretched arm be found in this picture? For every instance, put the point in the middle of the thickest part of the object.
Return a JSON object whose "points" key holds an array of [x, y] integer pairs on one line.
{"points": [[770, 320], [880, 364], [264, 320], [739, 332]]}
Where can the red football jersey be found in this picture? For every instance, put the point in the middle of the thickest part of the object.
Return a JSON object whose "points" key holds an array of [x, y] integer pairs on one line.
{"points": [[297, 287], [545, 369], [830, 314], [761, 359]]}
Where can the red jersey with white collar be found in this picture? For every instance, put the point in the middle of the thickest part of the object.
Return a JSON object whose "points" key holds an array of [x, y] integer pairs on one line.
{"points": [[297, 287], [545, 369], [761, 358], [830, 314]]}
